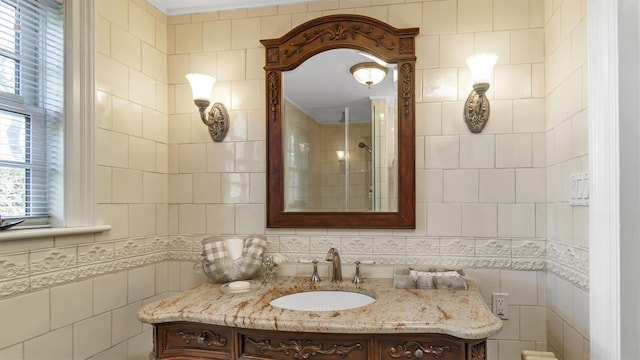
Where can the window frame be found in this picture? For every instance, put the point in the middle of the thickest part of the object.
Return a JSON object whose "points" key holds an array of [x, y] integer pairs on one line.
{"points": [[73, 211], [21, 101]]}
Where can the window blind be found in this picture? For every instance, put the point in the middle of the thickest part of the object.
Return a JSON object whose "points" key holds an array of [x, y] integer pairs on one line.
{"points": [[31, 105]]}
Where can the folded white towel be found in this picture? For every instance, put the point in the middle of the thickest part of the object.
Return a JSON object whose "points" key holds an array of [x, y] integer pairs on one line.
{"points": [[234, 247]]}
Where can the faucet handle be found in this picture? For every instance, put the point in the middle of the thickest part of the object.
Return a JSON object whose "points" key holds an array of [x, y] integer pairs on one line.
{"points": [[357, 279], [315, 278]]}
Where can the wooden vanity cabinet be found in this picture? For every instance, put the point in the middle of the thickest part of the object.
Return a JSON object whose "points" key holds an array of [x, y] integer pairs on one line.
{"points": [[186, 340]]}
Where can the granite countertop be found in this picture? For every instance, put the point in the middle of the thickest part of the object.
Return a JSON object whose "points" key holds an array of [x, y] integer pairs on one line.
{"points": [[460, 313]]}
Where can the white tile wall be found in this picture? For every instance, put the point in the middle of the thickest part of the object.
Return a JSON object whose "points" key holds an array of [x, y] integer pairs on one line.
{"points": [[439, 17], [71, 303], [514, 150], [92, 286], [442, 152], [477, 151], [444, 219], [481, 198], [479, 220], [117, 352], [109, 292], [125, 323], [460, 186], [440, 84], [565, 59], [56, 344], [516, 220], [28, 315], [141, 283], [91, 336]]}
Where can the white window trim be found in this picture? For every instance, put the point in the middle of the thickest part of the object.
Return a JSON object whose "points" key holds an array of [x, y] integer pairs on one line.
{"points": [[613, 73], [79, 132], [78, 207]]}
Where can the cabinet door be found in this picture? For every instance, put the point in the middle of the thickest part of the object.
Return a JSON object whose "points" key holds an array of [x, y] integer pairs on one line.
{"points": [[427, 347], [182, 339], [291, 345]]}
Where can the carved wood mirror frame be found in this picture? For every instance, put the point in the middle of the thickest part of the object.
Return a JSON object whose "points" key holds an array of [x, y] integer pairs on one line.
{"points": [[386, 42]]}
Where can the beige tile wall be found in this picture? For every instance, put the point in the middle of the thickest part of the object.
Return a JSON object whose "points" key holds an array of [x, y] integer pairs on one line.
{"points": [[163, 184], [567, 153], [76, 297]]}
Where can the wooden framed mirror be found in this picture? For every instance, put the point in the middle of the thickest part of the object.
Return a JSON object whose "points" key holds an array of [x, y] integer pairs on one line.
{"points": [[319, 174]]}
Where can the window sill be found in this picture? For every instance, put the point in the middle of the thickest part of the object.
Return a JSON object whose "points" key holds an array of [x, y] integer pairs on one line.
{"points": [[21, 234]]}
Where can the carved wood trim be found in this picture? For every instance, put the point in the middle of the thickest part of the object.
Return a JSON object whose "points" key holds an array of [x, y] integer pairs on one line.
{"points": [[407, 46], [211, 338], [479, 351], [273, 91], [339, 32], [304, 349], [409, 348], [406, 88]]}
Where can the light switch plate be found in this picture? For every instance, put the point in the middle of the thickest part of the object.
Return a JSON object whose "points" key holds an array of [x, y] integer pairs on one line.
{"points": [[579, 189]]}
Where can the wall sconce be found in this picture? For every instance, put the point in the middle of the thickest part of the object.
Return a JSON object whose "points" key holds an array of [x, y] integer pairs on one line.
{"points": [[218, 118], [476, 108], [368, 73]]}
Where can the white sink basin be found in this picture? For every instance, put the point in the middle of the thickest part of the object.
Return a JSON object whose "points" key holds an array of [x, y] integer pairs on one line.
{"points": [[322, 301]]}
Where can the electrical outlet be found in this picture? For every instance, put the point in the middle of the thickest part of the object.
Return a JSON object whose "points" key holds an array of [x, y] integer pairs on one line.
{"points": [[501, 305]]}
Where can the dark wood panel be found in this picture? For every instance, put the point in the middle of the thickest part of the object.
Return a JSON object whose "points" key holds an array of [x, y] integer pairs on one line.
{"points": [[186, 340], [291, 345], [421, 347], [196, 340]]}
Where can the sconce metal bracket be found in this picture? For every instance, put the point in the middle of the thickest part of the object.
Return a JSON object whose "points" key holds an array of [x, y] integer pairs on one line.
{"points": [[476, 108], [217, 120]]}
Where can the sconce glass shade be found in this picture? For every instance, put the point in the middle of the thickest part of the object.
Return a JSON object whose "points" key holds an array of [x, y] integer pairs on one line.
{"points": [[217, 120], [201, 86], [340, 154], [481, 66], [476, 108], [368, 73]]}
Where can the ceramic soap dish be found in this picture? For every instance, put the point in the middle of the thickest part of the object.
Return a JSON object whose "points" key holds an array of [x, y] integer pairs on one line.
{"points": [[240, 287]]}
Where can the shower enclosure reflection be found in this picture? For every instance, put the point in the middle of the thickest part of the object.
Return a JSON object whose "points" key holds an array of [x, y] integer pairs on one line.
{"points": [[339, 138]]}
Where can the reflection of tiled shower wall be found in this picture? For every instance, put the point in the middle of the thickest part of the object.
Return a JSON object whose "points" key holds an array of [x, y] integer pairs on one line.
{"points": [[316, 176], [302, 162], [333, 171]]}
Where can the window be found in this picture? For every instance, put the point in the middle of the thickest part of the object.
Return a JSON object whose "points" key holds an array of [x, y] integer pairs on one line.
{"points": [[31, 106]]}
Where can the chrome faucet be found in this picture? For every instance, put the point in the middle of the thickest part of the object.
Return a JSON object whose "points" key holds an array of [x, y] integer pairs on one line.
{"points": [[333, 256], [315, 278], [356, 278]]}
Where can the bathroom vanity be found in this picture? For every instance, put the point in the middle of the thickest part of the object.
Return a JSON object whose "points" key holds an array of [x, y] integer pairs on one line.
{"points": [[207, 322]]}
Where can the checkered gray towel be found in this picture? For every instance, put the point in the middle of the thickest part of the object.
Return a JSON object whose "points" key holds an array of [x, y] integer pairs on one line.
{"points": [[219, 266], [254, 246], [214, 249]]}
